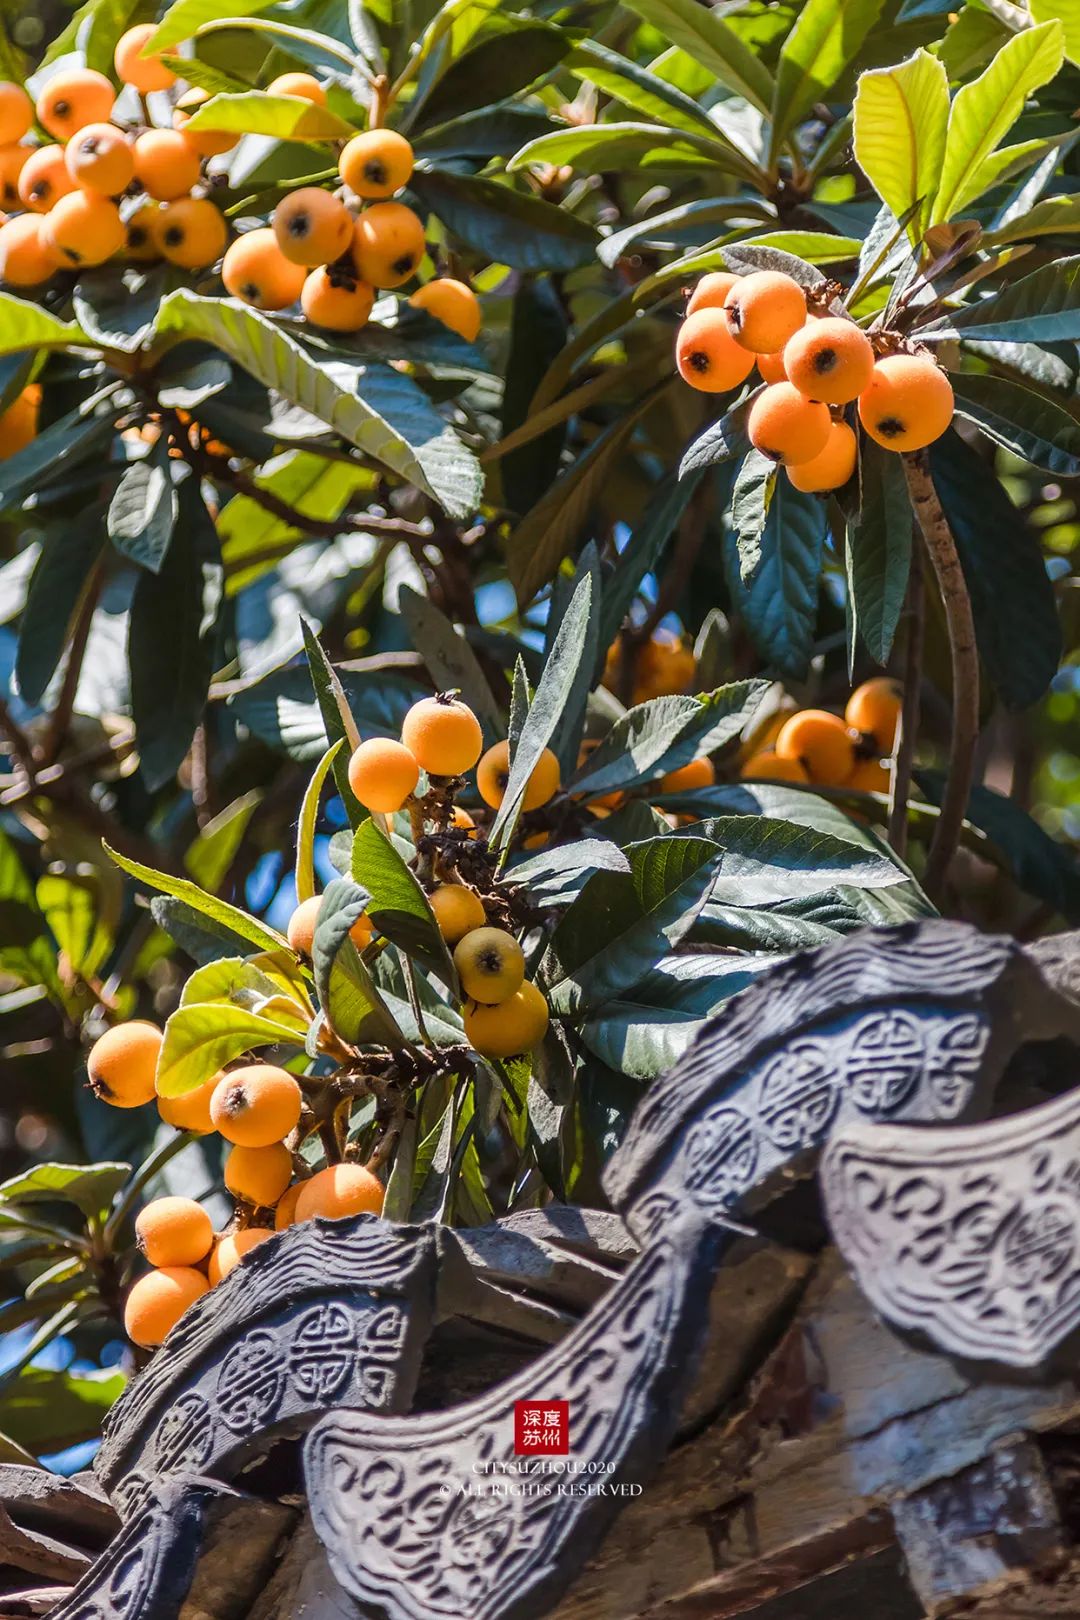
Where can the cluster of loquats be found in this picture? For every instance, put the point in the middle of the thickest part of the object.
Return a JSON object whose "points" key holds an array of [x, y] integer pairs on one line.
{"points": [[830, 750], [815, 364], [664, 666], [257, 1109]]}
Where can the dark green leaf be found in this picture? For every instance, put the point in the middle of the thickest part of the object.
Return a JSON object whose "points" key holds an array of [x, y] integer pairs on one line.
{"points": [[779, 604], [282, 710], [511, 227], [501, 64], [1035, 426], [645, 1032], [143, 510], [722, 441], [64, 566], [538, 331], [490, 132], [1041, 308], [766, 860], [643, 551], [66, 444], [219, 912], [879, 550], [664, 733], [398, 906], [348, 994], [751, 497], [338, 720], [450, 660]]}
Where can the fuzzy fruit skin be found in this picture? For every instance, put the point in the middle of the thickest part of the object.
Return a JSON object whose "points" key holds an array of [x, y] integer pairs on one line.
{"points": [[444, 737], [764, 310], [16, 112], [142, 227], [822, 743], [771, 367], [13, 160], [382, 774], [256, 1106], [207, 142], [174, 1232], [312, 227], [338, 1191], [516, 1025], [458, 911], [493, 774], [304, 85], [285, 1209], [696, 774], [191, 233], [100, 159], [301, 930], [767, 766], [122, 1065], [452, 303], [336, 302], [490, 964], [44, 179], [142, 73], [707, 356], [870, 776], [711, 291], [84, 228], [832, 467], [256, 271], [786, 426], [27, 258], [874, 708], [191, 1112], [258, 1175], [830, 360], [19, 423], [908, 402], [229, 1250], [166, 164], [157, 1302], [376, 164], [388, 244], [73, 99]]}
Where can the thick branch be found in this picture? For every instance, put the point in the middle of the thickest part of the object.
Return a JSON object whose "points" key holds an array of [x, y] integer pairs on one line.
{"points": [[965, 666], [909, 720]]}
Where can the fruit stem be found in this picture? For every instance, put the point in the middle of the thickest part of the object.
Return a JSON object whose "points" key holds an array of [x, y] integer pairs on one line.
{"points": [[909, 716], [380, 101], [965, 667]]}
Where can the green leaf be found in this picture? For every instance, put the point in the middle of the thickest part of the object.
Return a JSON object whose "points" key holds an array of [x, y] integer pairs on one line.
{"points": [[144, 508], [90, 1187], [665, 230], [337, 718], [779, 604], [282, 118], [1068, 13], [171, 640], [1041, 308], [397, 905], [305, 831], [634, 86], [879, 550], [721, 441], [263, 937], [1053, 216], [497, 131], [48, 1411], [644, 1033], [664, 733], [712, 43], [201, 1038], [826, 38], [26, 952], [450, 660], [81, 914], [643, 551], [281, 709], [766, 860], [751, 497], [57, 588], [348, 994], [186, 17], [1038, 427], [623, 923], [211, 853], [1012, 599], [27, 326], [901, 118], [556, 875], [627, 146], [503, 64], [68, 443], [511, 227], [538, 332], [984, 111], [380, 411]]}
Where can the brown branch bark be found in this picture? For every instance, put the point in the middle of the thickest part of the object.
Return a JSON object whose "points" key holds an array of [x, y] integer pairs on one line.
{"points": [[964, 658], [909, 719]]}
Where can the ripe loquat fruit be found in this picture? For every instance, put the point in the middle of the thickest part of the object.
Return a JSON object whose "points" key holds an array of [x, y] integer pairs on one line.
{"points": [[908, 402], [19, 423], [258, 1175], [72, 99], [304, 85], [312, 227], [830, 360], [458, 911], [388, 244], [190, 1112], [830, 468], [870, 776], [16, 112], [100, 158], [157, 1302], [767, 766], [490, 964], [452, 303], [336, 301], [493, 774], [230, 1249], [697, 774], [207, 142], [462, 820], [190, 232], [285, 1209], [174, 1232], [771, 367], [821, 742], [706, 354], [874, 708], [85, 228], [166, 164], [301, 929], [256, 1105], [786, 426], [516, 1025], [27, 257], [255, 270], [44, 178], [376, 164], [338, 1191], [142, 233], [122, 1065], [142, 73], [382, 774], [765, 309], [443, 736], [711, 291], [13, 160], [665, 666]]}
